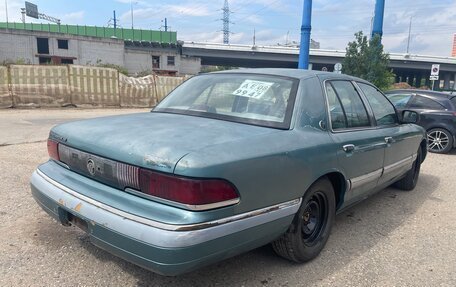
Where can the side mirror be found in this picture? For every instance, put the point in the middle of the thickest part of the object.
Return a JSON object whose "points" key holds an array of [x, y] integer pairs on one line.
{"points": [[410, 117]]}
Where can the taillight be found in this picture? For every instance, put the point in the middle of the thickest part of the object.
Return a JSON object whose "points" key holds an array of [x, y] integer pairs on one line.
{"points": [[187, 191], [53, 149]]}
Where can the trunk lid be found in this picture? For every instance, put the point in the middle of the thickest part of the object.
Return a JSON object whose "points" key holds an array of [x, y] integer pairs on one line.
{"points": [[151, 140]]}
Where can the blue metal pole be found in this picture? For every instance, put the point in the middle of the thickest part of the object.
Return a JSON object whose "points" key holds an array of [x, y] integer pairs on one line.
{"points": [[305, 35], [377, 28]]}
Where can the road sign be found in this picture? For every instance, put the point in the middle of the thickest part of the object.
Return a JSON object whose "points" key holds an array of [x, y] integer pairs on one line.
{"points": [[31, 10], [435, 70], [324, 69], [434, 78], [338, 67]]}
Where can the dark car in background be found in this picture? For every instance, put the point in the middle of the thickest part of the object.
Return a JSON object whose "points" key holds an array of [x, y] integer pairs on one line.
{"points": [[437, 115]]}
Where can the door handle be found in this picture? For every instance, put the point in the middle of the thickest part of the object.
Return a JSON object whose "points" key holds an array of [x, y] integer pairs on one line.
{"points": [[348, 148], [389, 140]]}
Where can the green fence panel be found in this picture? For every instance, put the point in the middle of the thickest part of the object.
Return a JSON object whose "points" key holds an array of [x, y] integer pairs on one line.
{"points": [[93, 31]]}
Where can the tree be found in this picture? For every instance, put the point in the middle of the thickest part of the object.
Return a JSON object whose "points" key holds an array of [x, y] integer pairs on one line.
{"points": [[366, 59]]}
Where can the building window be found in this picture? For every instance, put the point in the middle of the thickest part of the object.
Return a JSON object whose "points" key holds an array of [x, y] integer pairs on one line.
{"points": [[62, 44], [44, 60], [155, 62], [171, 60], [67, 61], [42, 45]]}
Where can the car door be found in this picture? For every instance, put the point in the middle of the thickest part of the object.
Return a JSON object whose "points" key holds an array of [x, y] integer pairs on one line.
{"points": [[398, 138], [360, 151]]}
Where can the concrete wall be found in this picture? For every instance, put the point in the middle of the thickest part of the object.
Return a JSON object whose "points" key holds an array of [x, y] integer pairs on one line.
{"points": [[140, 60], [22, 44], [14, 47], [189, 65], [107, 52], [136, 62]]}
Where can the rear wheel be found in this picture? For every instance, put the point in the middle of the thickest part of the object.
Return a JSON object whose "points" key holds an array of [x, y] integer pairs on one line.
{"points": [[439, 140], [310, 229], [411, 177]]}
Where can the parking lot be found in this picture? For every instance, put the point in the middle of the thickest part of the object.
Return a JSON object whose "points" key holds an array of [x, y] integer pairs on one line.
{"points": [[394, 238]]}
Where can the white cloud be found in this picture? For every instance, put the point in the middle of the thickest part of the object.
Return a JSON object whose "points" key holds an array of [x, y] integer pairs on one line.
{"points": [[73, 18]]}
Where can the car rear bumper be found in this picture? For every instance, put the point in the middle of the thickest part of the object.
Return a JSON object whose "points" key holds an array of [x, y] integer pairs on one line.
{"points": [[164, 248]]}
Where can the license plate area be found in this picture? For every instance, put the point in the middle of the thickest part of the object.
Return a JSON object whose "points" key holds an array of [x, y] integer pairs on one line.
{"points": [[79, 222]]}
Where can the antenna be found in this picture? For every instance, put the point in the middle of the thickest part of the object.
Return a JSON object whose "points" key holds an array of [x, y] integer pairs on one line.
{"points": [[226, 22]]}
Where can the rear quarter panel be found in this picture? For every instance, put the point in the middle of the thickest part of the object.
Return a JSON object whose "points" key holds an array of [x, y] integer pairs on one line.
{"points": [[268, 169]]}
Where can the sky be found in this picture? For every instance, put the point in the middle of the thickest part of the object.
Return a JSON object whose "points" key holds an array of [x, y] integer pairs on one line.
{"points": [[274, 21]]}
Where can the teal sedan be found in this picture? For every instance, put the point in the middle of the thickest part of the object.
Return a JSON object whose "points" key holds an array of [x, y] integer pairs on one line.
{"points": [[226, 163]]}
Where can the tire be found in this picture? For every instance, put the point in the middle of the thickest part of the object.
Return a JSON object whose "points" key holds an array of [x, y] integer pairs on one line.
{"points": [[311, 226], [439, 140], [409, 181]]}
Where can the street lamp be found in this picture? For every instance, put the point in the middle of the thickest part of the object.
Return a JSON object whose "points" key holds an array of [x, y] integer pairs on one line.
{"points": [[6, 10], [131, 8]]}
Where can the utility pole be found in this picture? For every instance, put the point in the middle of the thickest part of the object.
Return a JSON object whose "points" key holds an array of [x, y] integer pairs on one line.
{"points": [[409, 35], [226, 23], [23, 15], [378, 18], [166, 24], [6, 10], [115, 21], [305, 35], [131, 8], [254, 37]]}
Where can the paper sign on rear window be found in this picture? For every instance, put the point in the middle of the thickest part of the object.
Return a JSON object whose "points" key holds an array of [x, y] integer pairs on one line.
{"points": [[252, 89]]}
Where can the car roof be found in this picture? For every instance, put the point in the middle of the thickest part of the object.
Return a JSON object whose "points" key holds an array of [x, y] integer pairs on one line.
{"points": [[433, 94], [293, 73]]}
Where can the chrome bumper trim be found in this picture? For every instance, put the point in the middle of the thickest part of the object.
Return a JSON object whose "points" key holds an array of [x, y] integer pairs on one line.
{"points": [[154, 232]]}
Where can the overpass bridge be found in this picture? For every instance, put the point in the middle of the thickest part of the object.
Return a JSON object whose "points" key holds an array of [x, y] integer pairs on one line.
{"points": [[410, 68]]}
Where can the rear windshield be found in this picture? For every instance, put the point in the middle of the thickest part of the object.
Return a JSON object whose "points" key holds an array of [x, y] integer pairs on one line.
{"points": [[262, 100]]}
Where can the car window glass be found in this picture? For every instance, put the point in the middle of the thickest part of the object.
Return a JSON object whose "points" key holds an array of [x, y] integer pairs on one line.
{"points": [[384, 112], [355, 112], [336, 111], [420, 102], [453, 100], [248, 98], [400, 100]]}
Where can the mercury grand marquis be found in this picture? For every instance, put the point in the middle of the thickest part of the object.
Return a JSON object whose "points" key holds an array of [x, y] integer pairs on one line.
{"points": [[226, 163]]}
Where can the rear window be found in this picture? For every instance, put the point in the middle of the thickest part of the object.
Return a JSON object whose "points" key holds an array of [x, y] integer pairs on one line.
{"points": [[399, 100], [262, 100], [420, 102], [453, 100]]}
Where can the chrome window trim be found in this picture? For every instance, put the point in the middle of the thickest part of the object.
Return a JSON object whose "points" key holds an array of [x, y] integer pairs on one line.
{"points": [[397, 123], [368, 110], [293, 204]]}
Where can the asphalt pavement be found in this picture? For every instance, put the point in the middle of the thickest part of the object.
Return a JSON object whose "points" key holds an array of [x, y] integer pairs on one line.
{"points": [[394, 238]]}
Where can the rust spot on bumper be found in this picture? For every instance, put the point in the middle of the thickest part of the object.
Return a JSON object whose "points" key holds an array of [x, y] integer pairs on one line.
{"points": [[78, 207]]}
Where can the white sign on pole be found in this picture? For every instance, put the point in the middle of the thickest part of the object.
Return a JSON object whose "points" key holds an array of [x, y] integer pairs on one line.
{"points": [[338, 68], [433, 78], [435, 70]]}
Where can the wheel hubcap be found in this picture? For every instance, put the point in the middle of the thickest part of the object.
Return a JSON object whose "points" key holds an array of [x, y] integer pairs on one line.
{"points": [[438, 140], [314, 217]]}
